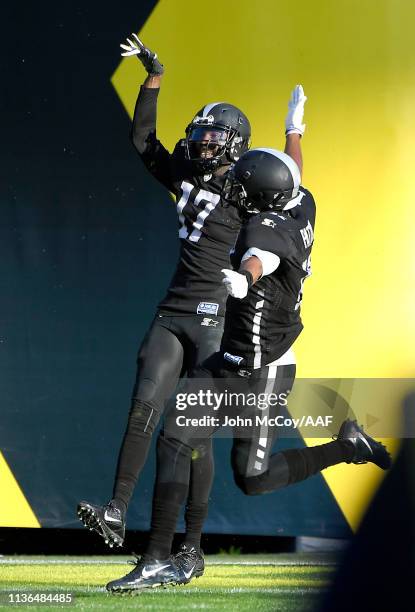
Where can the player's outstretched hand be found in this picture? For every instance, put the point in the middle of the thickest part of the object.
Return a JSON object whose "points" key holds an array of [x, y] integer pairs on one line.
{"points": [[235, 283], [134, 46], [294, 119]]}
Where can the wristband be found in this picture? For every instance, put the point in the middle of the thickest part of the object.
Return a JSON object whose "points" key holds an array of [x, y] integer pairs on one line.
{"points": [[248, 277], [294, 130]]}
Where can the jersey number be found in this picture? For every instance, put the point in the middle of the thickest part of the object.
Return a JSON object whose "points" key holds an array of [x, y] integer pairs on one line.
{"points": [[211, 201]]}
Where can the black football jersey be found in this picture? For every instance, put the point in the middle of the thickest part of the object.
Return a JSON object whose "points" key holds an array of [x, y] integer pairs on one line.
{"points": [[261, 327], [208, 226]]}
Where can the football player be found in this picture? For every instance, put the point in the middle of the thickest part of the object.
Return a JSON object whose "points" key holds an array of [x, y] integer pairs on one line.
{"points": [[271, 260], [188, 325]]}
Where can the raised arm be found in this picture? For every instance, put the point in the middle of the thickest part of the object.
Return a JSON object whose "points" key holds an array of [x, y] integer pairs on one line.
{"points": [[143, 130], [145, 113], [294, 126]]}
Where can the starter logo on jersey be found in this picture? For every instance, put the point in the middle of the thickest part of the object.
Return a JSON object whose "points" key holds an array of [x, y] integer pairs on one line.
{"points": [[207, 308], [232, 358], [209, 322], [269, 223], [307, 235], [244, 373]]}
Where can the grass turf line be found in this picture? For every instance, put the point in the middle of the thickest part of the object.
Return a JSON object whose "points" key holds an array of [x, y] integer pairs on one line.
{"points": [[291, 587]]}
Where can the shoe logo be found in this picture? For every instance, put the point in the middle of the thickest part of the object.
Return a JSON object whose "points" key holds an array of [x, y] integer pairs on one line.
{"points": [[110, 519], [367, 444], [147, 573], [190, 572]]}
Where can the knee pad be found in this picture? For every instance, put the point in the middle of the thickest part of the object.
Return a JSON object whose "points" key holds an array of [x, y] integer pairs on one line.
{"points": [[249, 485], [168, 447], [256, 485], [202, 450], [145, 389], [144, 416], [271, 480]]}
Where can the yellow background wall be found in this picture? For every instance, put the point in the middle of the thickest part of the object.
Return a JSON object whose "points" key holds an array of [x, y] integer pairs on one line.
{"points": [[356, 62]]}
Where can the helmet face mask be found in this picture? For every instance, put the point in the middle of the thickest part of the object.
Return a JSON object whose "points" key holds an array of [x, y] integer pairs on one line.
{"points": [[207, 146], [234, 192], [217, 136], [267, 200]]}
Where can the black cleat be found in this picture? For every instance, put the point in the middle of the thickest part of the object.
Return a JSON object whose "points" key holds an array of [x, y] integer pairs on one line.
{"points": [[108, 521], [366, 448], [191, 562], [148, 573]]}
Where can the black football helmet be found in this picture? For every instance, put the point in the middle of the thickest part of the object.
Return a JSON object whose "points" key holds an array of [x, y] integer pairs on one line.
{"points": [[217, 135], [262, 180]]}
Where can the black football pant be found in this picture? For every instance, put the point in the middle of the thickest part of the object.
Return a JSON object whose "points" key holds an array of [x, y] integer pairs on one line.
{"points": [[256, 470], [174, 346]]}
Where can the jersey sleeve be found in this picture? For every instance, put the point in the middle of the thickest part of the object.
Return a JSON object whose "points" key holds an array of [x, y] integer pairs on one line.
{"points": [[143, 135], [263, 233], [269, 261]]}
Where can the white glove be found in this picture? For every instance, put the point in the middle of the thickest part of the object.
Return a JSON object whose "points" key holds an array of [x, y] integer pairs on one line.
{"points": [[294, 119], [236, 284]]}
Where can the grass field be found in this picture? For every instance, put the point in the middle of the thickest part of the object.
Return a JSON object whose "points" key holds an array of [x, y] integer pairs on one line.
{"points": [[289, 583]]}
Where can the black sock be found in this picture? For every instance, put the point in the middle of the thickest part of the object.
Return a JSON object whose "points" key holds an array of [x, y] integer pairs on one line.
{"points": [[201, 479], [167, 504], [132, 457], [142, 420], [194, 516], [170, 492], [304, 462]]}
